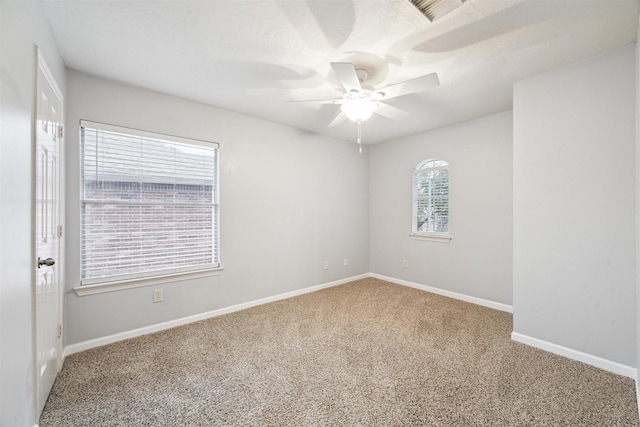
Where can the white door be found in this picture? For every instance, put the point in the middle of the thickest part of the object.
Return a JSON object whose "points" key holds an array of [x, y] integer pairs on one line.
{"points": [[48, 231]]}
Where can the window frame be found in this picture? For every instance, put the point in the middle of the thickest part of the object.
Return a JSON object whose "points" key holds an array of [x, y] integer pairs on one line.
{"points": [[94, 285], [423, 168]]}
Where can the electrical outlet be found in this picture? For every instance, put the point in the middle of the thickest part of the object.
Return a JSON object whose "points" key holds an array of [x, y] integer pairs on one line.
{"points": [[405, 263], [158, 295], [346, 261], [325, 265]]}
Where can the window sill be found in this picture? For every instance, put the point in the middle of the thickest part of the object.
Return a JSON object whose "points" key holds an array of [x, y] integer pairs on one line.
{"points": [[428, 238], [120, 285]]}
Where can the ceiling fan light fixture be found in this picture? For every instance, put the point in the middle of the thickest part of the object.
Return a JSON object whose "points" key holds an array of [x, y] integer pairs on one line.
{"points": [[436, 9], [359, 109]]}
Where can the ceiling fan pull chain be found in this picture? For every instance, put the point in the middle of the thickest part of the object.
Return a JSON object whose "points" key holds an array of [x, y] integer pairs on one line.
{"points": [[360, 135]]}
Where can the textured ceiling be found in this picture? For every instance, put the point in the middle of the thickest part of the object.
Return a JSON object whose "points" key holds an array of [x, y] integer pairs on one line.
{"points": [[253, 56]]}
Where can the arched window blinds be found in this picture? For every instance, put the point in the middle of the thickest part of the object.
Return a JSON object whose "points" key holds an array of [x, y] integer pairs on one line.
{"points": [[431, 198]]}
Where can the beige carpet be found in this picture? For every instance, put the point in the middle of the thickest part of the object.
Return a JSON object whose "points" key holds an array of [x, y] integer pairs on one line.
{"points": [[367, 353]]}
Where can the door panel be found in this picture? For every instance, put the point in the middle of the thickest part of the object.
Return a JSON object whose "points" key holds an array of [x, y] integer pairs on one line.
{"points": [[48, 147]]}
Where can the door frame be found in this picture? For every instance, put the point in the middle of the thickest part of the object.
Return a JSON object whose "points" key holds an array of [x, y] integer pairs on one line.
{"points": [[42, 66]]}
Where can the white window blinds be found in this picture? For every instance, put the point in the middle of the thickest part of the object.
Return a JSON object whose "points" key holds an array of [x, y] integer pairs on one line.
{"points": [[431, 198], [149, 204]]}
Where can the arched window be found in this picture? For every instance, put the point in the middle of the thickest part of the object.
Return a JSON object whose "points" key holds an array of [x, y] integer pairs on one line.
{"points": [[431, 199]]}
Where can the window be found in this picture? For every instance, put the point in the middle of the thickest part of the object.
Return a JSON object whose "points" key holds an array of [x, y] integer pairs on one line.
{"points": [[431, 200], [149, 204]]}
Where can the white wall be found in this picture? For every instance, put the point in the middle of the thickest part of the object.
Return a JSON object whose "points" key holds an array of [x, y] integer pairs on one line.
{"points": [[22, 26], [289, 200], [637, 234], [574, 207], [477, 261]]}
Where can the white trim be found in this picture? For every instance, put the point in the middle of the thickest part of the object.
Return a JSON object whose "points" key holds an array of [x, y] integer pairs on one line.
{"points": [[430, 238], [637, 231], [598, 362], [569, 353], [637, 392], [474, 300], [132, 277], [139, 282], [86, 345], [46, 71]]}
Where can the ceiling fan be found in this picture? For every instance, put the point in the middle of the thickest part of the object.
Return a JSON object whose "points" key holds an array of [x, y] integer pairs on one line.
{"points": [[361, 100]]}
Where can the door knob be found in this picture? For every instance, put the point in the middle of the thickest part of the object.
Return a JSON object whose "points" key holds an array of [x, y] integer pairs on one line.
{"points": [[48, 262]]}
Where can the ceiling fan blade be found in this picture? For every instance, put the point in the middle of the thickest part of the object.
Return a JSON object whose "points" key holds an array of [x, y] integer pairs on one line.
{"points": [[391, 112], [318, 101], [338, 120], [346, 73], [406, 87]]}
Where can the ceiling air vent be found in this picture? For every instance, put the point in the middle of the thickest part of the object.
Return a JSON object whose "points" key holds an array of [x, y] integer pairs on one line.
{"points": [[436, 9]]}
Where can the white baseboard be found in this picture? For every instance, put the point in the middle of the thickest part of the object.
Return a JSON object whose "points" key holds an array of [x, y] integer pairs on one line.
{"points": [[598, 362], [110, 339], [454, 295], [637, 391], [607, 365]]}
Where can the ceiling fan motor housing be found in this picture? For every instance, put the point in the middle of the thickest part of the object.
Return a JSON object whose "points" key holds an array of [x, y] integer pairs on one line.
{"points": [[362, 74], [364, 94]]}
